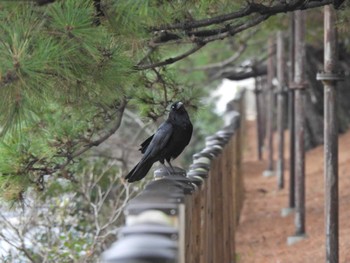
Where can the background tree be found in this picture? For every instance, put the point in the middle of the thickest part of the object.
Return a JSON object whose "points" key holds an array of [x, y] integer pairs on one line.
{"points": [[68, 222]]}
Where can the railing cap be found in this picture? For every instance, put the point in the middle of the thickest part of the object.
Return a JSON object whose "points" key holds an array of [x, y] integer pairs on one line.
{"points": [[203, 154], [151, 217], [214, 149], [197, 172], [201, 163], [162, 172], [196, 179], [149, 228], [142, 247], [166, 184]]}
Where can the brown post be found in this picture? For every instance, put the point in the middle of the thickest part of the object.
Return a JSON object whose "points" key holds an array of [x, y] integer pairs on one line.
{"points": [[204, 229], [329, 77], [210, 243], [259, 132], [227, 198], [270, 107], [300, 121], [299, 85], [217, 213], [280, 109], [291, 114], [263, 108]]}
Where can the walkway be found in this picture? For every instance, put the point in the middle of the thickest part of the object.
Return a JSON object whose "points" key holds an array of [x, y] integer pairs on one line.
{"points": [[262, 233]]}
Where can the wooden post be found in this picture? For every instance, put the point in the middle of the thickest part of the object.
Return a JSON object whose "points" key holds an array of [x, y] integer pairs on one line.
{"points": [[225, 205], [263, 108], [331, 141], [218, 230], [204, 224], [280, 109], [233, 194], [329, 77], [259, 132], [195, 239], [270, 107], [291, 114], [210, 223], [299, 104], [299, 82]]}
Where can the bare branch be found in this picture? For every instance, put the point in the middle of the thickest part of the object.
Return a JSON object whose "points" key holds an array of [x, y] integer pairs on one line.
{"points": [[18, 230], [86, 147], [251, 23]]}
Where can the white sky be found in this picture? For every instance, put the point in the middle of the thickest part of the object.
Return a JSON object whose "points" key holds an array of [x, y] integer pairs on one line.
{"points": [[227, 90]]}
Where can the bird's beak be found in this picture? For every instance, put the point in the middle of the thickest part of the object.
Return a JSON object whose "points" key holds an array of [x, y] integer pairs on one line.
{"points": [[179, 105]]}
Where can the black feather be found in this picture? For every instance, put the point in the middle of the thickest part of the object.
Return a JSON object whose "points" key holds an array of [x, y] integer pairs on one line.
{"points": [[144, 145]]}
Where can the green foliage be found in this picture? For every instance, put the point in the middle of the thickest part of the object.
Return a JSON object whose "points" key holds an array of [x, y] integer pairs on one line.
{"points": [[61, 79], [343, 24], [55, 54]]}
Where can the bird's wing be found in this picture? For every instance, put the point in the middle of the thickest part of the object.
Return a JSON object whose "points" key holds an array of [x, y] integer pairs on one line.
{"points": [[144, 145], [159, 140]]}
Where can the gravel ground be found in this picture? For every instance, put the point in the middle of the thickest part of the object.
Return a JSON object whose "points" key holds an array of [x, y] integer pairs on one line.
{"points": [[263, 232]]}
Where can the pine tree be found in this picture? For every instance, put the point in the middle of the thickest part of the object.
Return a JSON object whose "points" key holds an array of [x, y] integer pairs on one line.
{"points": [[65, 80], [69, 68]]}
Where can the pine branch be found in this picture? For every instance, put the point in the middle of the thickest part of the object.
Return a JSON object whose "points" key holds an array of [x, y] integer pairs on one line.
{"points": [[51, 168], [202, 42], [246, 11], [170, 60], [8, 78], [44, 2], [101, 139], [262, 12]]}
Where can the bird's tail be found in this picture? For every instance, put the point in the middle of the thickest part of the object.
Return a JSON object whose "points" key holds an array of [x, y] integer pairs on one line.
{"points": [[139, 171]]}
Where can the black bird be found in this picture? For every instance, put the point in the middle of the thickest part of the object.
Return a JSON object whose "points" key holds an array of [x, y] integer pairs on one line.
{"points": [[166, 143]]}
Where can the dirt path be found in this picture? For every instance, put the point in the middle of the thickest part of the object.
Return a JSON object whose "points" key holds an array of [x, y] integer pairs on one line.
{"points": [[262, 233]]}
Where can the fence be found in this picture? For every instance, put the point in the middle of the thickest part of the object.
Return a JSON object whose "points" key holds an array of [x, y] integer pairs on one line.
{"points": [[188, 217]]}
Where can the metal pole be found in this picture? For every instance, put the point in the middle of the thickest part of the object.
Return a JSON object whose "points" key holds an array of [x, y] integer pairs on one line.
{"points": [[280, 109], [299, 80], [270, 107], [329, 77]]}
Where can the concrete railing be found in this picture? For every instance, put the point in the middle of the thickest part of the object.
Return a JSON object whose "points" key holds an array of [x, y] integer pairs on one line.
{"points": [[188, 217]]}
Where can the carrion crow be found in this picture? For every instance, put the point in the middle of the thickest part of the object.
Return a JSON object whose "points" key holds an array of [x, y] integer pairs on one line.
{"points": [[166, 143]]}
